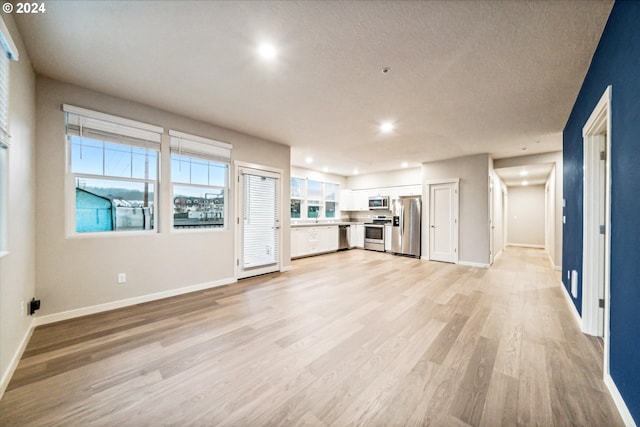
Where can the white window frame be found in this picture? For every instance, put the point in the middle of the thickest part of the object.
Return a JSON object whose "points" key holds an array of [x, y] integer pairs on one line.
{"points": [[302, 197], [115, 125], [8, 53], [210, 150], [304, 204]]}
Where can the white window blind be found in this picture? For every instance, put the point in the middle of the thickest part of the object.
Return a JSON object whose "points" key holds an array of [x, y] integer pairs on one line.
{"points": [[197, 146], [105, 127], [260, 221], [7, 53]]}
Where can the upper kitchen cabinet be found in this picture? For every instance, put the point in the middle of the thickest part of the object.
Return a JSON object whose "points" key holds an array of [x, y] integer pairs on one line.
{"points": [[346, 200], [360, 200]]}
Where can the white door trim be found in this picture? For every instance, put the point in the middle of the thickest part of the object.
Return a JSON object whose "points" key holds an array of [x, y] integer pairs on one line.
{"points": [[238, 166], [599, 123], [456, 213]]}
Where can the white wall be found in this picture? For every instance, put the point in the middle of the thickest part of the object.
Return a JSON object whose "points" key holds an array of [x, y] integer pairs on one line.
{"points": [[526, 215], [79, 272], [17, 268], [394, 178], [473, 171], [555, 157]]}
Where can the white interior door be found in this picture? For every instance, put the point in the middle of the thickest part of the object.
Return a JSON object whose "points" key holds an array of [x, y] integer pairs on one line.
{"points": [[258, 222], [492, 227], [443, 222]]}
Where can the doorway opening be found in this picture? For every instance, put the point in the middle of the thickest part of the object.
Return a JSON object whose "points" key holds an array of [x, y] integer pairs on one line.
{"points": [[596, 135]]}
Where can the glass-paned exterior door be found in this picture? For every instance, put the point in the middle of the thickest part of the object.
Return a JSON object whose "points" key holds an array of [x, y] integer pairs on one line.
{"points": [[260, 222]]}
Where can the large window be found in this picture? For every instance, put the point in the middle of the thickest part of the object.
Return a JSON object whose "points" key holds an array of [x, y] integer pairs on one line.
{"points": [[8, 52], [297, 197], [200, 179], [313, 199], [113, 172]]}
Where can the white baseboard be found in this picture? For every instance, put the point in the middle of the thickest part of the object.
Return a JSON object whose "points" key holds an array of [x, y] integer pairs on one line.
{"points": [[6, 377], [572, 307], [526, 245], [285, 268], [473, 264], [85, 311], [619, 401]]}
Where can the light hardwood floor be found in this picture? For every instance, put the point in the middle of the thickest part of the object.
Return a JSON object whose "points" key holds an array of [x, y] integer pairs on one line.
{"points": [[352, 338]]}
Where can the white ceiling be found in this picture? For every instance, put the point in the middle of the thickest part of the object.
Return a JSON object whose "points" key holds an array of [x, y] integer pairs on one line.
{"points": [[466, 77], [531, 174]]}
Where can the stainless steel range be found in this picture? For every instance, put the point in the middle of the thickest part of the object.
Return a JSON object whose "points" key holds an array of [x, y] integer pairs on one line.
{"points": [[374, 232]]}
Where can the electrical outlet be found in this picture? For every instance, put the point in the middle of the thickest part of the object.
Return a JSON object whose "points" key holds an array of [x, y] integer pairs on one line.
{"points": [[122, 278]]}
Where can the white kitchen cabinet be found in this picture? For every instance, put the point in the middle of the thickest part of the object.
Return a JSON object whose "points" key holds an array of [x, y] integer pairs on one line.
{"points": [[299, 239], [313, 240], [387, 238], [357, 235], [360, 200], [346, 200], [410, 190]]}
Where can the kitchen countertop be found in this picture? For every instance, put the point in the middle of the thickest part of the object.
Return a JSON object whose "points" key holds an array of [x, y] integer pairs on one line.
{"points": [[323, 224]]}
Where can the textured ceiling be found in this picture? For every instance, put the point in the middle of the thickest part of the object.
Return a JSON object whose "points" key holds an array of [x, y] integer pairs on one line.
{"points": [[466, 77]]}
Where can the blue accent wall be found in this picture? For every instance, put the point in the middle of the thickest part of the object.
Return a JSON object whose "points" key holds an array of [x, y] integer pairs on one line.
{"points": [[616, 62]]}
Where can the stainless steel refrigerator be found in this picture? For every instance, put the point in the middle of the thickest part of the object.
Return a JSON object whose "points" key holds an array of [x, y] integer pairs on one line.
{"points": [[406, 229]]}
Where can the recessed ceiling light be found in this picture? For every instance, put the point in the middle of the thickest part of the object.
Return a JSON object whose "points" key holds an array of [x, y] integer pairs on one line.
{"points": [[525, 183], [325, 169], [386, 127], [267, 51], [355, 172], [386, 70], [524, 173], [404, 164], [308, 160]]}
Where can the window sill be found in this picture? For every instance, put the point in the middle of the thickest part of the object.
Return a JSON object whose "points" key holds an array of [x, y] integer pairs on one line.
{"points": [[199, 230], [111, 234]]}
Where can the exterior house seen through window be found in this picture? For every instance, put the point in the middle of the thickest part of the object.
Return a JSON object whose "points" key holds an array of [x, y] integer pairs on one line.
{"points": [[113, 171], [313, 199], [200, 179]]}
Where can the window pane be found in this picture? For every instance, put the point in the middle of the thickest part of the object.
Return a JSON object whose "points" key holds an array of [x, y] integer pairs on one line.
{"points": [[144, 163], [330, 210], [313, 211], [180, 169], [331, 191], [86, 156], [110, 205], [199, 172], [297, 188], [3, 198], [295, 208], [198, 207], [314, 190], [218, 174], [117, 160]]}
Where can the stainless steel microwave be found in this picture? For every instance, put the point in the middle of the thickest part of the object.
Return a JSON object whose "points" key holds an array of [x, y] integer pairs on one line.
{"points": [[378, 202]]}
